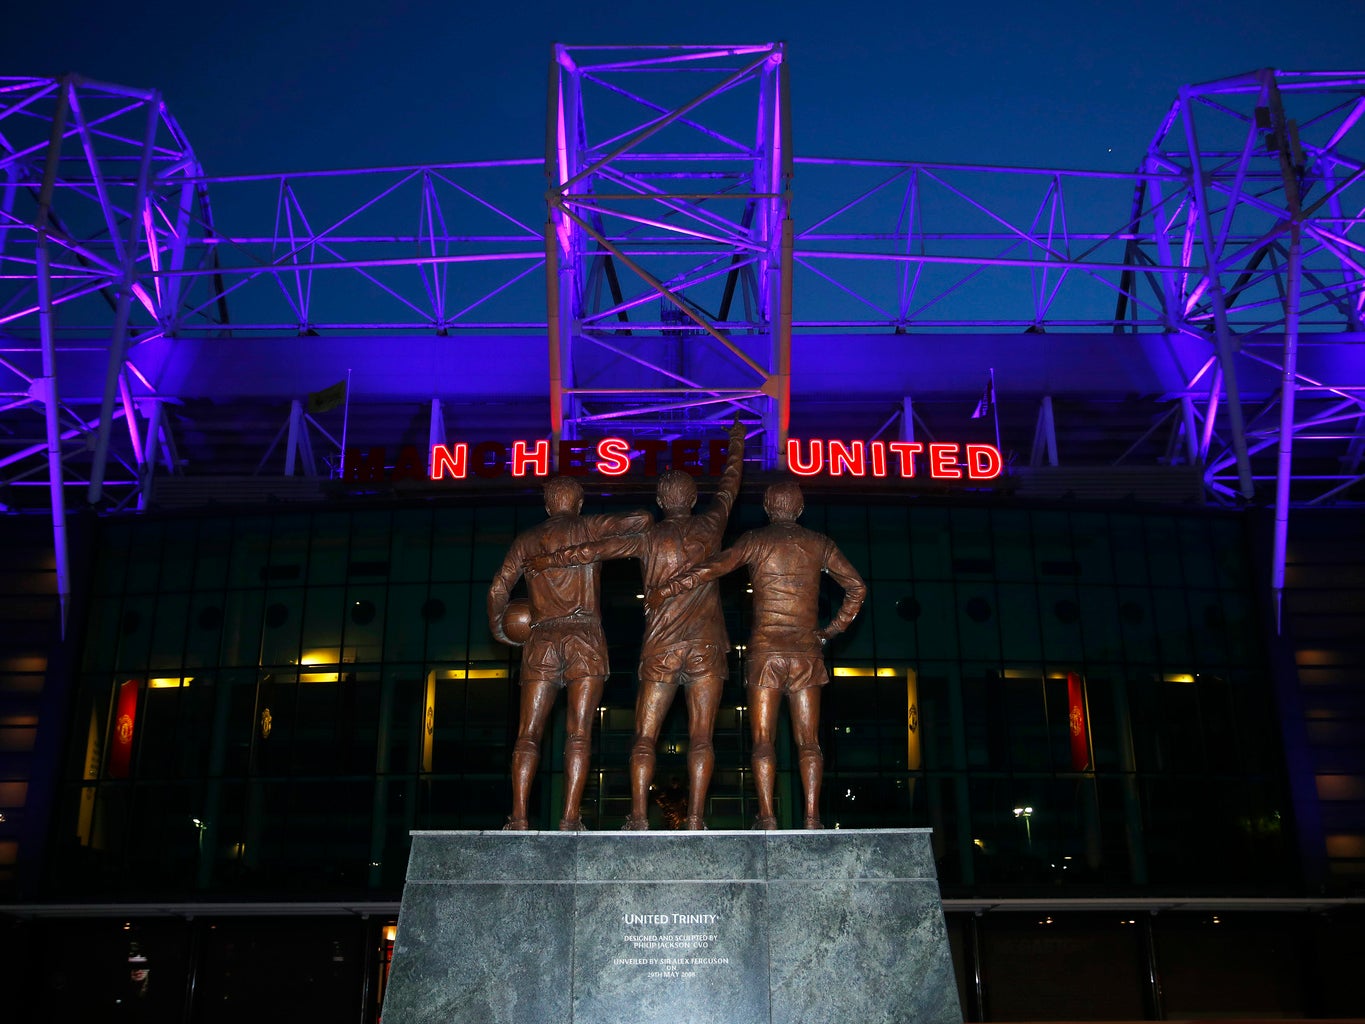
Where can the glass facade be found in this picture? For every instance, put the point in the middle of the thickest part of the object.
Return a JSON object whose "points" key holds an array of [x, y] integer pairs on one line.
{"points": [[1076, 700]]}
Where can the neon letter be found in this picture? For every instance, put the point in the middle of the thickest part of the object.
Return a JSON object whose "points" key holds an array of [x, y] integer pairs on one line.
{"points": [[984, 461], [571, 459], [906, 452], [684, 456], [539, 459], [409, 464], [943, 461], [878, 458], [613, 456], [370, 467], [453, 461], [482, 466], [851, 456], [652, 450], [719, 455], [794, 463]]}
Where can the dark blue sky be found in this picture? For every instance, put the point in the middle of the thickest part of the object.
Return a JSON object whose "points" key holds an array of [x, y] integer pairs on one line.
{"points": [[269, 85]]}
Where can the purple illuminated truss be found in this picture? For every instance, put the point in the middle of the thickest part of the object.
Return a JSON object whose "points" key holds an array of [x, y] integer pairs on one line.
{"points": [[669, 243], [668, 273]]}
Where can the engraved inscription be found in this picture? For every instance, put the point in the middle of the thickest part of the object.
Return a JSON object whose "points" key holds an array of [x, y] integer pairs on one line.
{"points": [[671, 945]]}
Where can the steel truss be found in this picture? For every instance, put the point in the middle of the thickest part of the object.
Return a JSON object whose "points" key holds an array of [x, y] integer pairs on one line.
{"points": [[673, 273], [669, 210]]}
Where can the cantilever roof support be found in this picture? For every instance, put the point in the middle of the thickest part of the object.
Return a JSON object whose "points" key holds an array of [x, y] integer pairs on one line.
{"points": [[1044, 435], [118, 338], [1222, 333], [1284, 457], [47, 329]]}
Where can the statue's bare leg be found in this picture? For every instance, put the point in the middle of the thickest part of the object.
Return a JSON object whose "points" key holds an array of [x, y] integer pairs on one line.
{"points": [[805, 713], [537, 700], [764, 703], [651, 706], [584, 696], [703, 701]]}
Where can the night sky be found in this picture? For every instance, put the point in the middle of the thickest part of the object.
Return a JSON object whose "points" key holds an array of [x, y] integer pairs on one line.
{"points": [[277, 85]]}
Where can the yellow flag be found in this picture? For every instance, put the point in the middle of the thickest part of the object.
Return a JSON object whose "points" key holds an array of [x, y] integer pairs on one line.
{"points": [[429, 721], [327, 398], [913, 753]]}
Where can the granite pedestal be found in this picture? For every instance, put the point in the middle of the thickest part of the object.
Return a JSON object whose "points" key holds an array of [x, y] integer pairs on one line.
{"points": [[694, 927]]}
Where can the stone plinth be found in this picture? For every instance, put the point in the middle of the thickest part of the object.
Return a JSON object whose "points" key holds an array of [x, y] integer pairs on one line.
{"points": [[645, 927]]}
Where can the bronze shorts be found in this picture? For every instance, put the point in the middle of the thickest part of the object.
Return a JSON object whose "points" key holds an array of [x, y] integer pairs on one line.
{"points": [[564, 652], [683, 664], [789, 673]]}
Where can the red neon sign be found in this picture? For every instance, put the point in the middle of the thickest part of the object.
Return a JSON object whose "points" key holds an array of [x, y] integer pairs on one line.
{"points": [[611, 456], [895, 458]]}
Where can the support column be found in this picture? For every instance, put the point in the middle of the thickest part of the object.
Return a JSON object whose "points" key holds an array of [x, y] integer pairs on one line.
{"points": [[976, 974], [1191, 432], [1044, 436], [1155, 1004], [296, 427], [147, 468], [436, 432], [907, 419], [553, 329]]}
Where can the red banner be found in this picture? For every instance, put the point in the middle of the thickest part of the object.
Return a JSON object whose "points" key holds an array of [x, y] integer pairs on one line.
{"points": [[125, 721], [1078, 725]]}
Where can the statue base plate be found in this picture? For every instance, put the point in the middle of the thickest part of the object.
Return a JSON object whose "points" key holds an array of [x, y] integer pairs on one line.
{"points": [[704, 927]]}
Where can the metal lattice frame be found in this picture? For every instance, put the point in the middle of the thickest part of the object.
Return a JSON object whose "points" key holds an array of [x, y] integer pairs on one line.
{"points": [[671, 264], [670, 212], [97, 200]]}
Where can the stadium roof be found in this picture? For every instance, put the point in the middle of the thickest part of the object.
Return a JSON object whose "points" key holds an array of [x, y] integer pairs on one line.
{"points": [[669, 261]]}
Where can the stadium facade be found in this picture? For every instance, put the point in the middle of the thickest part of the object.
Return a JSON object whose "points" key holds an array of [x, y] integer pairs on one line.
{"points": [[1094, 440]]}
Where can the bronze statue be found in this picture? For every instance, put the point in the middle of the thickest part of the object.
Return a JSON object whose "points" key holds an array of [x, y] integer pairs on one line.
{"points": [[685, 642], [565, 649], [786, 648]]}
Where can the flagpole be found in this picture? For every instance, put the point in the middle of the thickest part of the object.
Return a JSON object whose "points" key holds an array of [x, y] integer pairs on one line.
{"points": [[995, 408], [346, 417]]}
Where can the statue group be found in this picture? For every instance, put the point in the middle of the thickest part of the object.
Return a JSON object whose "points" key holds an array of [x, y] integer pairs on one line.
{"points": [[685, 643]]}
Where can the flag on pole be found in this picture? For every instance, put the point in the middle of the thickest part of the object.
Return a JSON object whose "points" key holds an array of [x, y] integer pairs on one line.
{"points": [[987, 403], [327, 398]]}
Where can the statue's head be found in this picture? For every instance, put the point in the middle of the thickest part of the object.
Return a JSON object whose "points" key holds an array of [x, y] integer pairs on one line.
{"points": [[783, 502], [677, 491], [563, 496]]}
